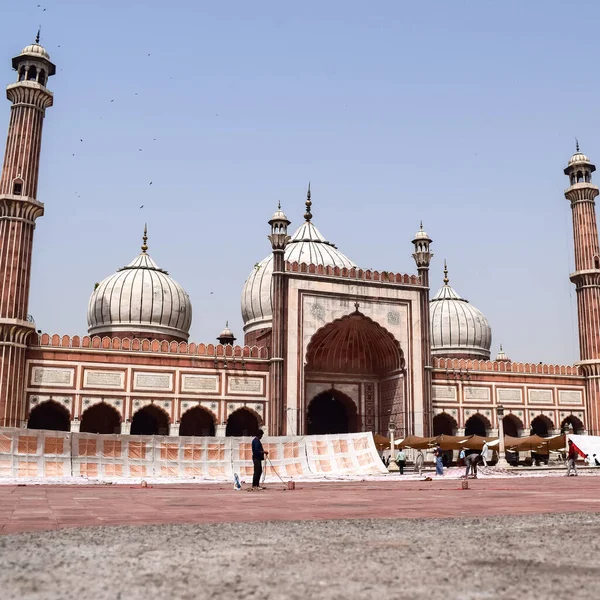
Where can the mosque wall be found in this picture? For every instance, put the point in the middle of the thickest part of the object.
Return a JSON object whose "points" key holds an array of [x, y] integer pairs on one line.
{"points": [[73, 373], [462, 389]]}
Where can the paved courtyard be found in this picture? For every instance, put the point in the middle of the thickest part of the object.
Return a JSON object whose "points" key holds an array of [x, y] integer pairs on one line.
{"points": [[32, 508]]}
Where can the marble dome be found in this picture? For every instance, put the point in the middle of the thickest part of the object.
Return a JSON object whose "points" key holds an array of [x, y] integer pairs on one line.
{"points": [[35, 50], [306, 245], [140, 300], [457, 327]]}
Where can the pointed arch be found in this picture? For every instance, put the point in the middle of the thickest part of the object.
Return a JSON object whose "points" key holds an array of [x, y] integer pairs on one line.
{"points": [[242, 422], [150, 420], [513, 426], [477, 424], [100, 418], [577, 424], [197, 421], [354, 344], [444, 424], [331, 412], [542, 426], [49, 415]]}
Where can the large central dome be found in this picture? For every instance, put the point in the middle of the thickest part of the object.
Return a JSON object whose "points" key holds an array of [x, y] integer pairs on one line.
{"points": [[307, 245]]}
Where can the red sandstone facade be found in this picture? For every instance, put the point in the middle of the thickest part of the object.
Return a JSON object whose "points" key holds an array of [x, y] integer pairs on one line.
{"points": [[356, 338]]}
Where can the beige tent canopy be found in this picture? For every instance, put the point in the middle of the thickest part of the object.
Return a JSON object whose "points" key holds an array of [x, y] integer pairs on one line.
{"points": [[475, 442]]}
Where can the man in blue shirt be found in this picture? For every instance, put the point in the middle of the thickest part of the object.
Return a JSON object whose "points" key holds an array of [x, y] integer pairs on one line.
{"points": [[258, 455]]}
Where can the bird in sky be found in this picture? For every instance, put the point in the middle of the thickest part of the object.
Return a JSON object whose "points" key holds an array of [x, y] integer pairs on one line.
{"points": [[142, 206], [150, 183]]}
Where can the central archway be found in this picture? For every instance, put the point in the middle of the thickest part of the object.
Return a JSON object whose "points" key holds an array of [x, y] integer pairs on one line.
{"points": [[354, 344], [242, 423], [444, 424], [331, 412], [477, 424]]}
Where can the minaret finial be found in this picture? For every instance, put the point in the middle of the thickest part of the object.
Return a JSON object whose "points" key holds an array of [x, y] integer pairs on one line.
{"points": [[421, 225], [576, 145], [500, 347], [279, 205], [308, 213], [37, 37], [446, 280], [145, 239], [227, 325]]}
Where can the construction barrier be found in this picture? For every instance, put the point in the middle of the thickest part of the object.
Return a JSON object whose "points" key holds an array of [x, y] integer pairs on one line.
{"points": [[39, 453]]}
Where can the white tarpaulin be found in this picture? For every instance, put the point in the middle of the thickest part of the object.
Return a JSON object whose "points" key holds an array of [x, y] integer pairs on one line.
{"points": [[587, 444], [38, 453]]}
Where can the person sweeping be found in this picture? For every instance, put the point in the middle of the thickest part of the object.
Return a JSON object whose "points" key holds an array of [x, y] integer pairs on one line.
{"points": [[258, 455]]}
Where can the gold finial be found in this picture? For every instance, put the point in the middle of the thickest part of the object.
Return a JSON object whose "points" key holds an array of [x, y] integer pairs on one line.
{"points": [[576, 145], [37, 37], [446, 280], [308, 214], [145, 239]]}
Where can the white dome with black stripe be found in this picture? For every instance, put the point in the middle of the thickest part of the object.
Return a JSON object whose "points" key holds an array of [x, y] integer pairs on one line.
{"points": [[140, 300], [307, 245], [457, 327]]}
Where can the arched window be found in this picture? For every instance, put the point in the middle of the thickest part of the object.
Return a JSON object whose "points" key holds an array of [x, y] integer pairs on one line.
{"points": [[579, 177], [242, 422], [477, 425], [17, 187], [150, 420], [21, 73], [573, 180], [32, 73], [597, 262], [42, 77], [588, 177], [100, 418], [197, 422]]}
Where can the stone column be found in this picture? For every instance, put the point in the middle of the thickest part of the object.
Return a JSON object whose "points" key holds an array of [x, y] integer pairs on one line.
{"points": [[220, 430], [501, 449]]}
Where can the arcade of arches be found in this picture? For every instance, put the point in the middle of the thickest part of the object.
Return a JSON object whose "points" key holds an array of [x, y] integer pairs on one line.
{"points": [[350, 349]]}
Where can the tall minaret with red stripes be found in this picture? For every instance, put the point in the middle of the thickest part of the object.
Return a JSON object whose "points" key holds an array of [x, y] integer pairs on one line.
{"points": [[19, 209], [586, 278]]}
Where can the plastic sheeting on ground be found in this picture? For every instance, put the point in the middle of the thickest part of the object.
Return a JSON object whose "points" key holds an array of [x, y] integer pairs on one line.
{"points": [[38, 453]]}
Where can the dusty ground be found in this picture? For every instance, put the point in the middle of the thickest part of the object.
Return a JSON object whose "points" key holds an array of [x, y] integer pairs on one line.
{"points": [[526, 557]]}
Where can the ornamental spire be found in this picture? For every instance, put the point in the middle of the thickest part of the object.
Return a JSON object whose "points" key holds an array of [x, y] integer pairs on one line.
{"points": [[37, 37], [576, 145], [446, 280], [145, 239], [308, 214]]}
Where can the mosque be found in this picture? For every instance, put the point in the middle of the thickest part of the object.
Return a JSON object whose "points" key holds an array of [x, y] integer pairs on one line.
{"points": [[329, 347]]}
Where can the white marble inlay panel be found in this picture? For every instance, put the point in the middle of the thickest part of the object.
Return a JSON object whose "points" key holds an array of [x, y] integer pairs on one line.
{"points": [[570, 397], [246, 385], [199, 383], [104, 379], [540, 396], [52, 376], [510, 395], [443, 392], [477, 393], [153, 381]]}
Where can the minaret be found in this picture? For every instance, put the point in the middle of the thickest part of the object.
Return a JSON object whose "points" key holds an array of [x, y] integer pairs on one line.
{"points": [[279, 238], [586, 278], [423, 256], [19, 209]]}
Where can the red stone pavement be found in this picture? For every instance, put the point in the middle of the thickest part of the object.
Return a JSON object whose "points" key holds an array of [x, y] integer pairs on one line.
{"points": [[42, 507]]}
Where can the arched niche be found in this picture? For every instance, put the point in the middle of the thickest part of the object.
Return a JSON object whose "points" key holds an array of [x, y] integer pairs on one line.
{"points": [[49, 415]]}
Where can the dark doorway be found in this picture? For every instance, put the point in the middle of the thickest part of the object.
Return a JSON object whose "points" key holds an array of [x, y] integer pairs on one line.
{"points": [[541, 426], [100, 418], [476, 426], [242, 423], [49, 415], [512, 426], [197, 422], [444, 424], [331, 412], [150, 420], [575, 423]]}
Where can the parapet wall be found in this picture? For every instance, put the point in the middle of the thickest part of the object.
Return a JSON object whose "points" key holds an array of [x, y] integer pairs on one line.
{"points": [[144, 345], [354, 273], [505, 367]]}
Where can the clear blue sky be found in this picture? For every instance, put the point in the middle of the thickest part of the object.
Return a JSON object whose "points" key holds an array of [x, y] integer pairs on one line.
{"points": [[462, 114]]}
